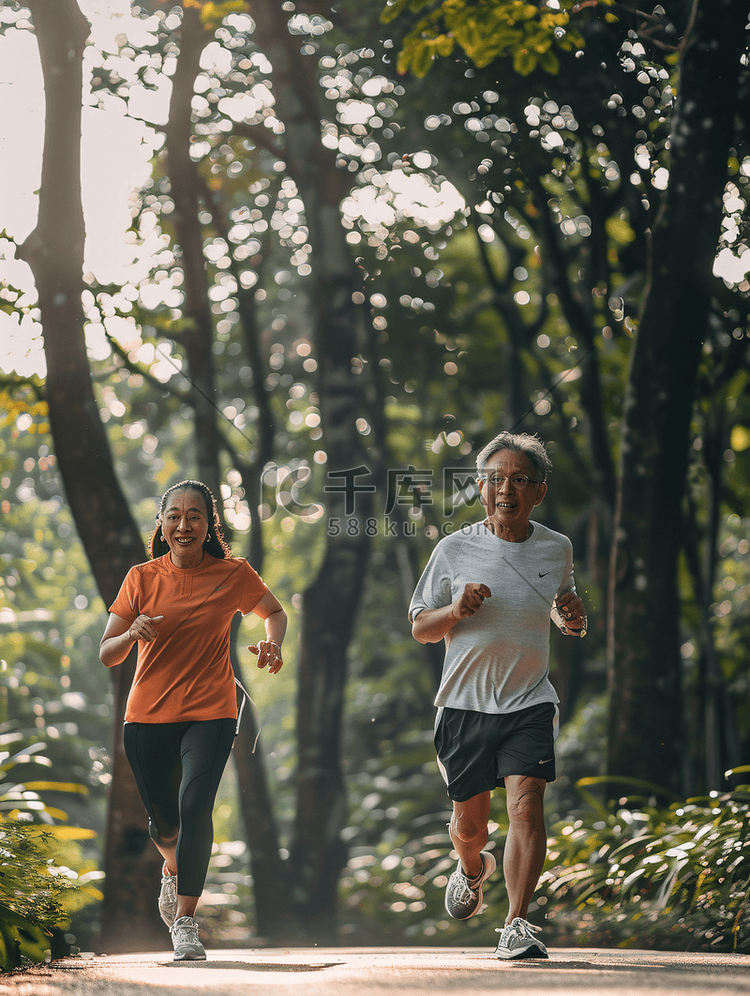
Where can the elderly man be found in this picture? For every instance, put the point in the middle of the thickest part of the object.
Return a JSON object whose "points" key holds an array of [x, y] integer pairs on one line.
{"points": [[489, 592]]}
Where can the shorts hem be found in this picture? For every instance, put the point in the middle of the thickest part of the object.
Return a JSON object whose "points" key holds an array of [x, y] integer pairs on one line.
{"points": [[500, 785]]}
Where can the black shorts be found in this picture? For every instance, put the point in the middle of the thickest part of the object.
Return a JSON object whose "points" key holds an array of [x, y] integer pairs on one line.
{"points": [[476, 750]]}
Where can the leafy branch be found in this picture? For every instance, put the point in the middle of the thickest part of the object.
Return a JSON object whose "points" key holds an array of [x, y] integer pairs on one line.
{"points": [[485, 31]]}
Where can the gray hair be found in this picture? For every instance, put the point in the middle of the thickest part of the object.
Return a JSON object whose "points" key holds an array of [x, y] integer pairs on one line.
{"points": [[521, 442]]}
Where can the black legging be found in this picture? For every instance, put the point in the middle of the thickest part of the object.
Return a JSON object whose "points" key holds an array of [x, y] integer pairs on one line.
{"points": [[178, 767]]}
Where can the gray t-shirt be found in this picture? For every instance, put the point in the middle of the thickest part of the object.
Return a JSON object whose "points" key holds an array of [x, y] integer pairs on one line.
{"points": [[497, 661]]}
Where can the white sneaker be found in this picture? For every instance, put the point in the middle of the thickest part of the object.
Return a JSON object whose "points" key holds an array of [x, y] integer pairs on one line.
{"points": [[168, 897], [517, 941], [463, 896], [187, 945]]}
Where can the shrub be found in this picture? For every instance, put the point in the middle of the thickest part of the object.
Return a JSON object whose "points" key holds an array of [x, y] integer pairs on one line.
{"points": [[36, 891], [634, 874]]}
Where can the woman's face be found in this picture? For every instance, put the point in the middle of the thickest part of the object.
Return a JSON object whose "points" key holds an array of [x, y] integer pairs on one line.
{"points": [[184, 526]]}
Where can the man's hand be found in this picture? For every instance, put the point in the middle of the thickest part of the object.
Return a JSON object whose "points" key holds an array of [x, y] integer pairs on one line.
{"points": [[432, 625], [145, 628], [473, 596], [571, 614]]}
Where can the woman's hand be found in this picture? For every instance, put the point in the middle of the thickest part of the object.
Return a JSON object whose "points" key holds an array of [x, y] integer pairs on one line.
{"points": [[269, 654], [120, 635], [145, 628]]}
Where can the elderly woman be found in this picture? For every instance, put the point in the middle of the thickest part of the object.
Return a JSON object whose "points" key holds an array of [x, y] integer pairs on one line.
{"points": [[181, 716]]}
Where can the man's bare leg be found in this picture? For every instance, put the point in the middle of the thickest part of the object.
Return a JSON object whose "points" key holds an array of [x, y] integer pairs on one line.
{"points": [[468, 831], [526, 846]]}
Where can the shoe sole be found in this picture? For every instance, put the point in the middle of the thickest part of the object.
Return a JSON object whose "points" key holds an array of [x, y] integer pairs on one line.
{"points": [[532, 952]]}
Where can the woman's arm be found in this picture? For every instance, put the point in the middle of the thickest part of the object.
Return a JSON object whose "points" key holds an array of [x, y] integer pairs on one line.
{"points": [[270, 610], [120, 635]]}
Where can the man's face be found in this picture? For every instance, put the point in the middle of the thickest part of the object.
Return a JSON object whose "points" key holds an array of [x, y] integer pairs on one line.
{"points": [[509, 505]]}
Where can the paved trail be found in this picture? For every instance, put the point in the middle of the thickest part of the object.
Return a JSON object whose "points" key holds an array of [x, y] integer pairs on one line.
{"points": [[389, 972]]}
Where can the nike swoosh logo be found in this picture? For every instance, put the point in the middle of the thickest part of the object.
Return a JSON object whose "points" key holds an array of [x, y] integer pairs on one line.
{"points": [[547, 760], [543, 575]]}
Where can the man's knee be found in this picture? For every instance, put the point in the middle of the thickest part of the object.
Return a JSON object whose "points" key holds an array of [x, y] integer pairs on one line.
{"points": [[525, 803], [468, 828]]}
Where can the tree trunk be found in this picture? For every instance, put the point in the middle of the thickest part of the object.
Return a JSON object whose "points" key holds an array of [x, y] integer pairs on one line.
{"points": [[186, 188], [272, 918], [713, 742], [645, 737], [330, 603], [54, 251]]}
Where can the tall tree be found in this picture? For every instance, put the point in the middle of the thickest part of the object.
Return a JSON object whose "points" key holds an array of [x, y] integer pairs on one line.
{"points": [[197, 336], [645, 736], [191, 196], [331, 600], [54, 252]]}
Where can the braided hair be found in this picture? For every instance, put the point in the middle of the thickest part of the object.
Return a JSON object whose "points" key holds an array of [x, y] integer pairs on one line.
{"points": [[215, 544]]}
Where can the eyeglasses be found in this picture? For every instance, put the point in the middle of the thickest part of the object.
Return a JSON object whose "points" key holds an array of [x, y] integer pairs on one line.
{"points": [[517, 481]]}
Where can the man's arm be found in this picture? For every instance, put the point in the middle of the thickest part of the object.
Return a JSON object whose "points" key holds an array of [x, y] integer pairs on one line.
{"points": [[431, 625]]}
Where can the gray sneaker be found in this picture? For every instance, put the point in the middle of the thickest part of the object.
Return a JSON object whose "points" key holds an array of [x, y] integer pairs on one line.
{"points": [[517, 941], [168, 897], [463, 896], [187, 945]]}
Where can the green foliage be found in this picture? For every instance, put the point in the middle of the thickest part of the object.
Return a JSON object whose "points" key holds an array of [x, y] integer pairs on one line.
{"points": [[212, 14], [22, 404], [21, 941], [38, 892], [55, 701], [485, 30], [14, 16], [642, 876]]}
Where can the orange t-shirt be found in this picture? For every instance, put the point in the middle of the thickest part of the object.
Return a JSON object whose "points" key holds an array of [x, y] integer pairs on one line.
{"points": [[185, 673]]}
